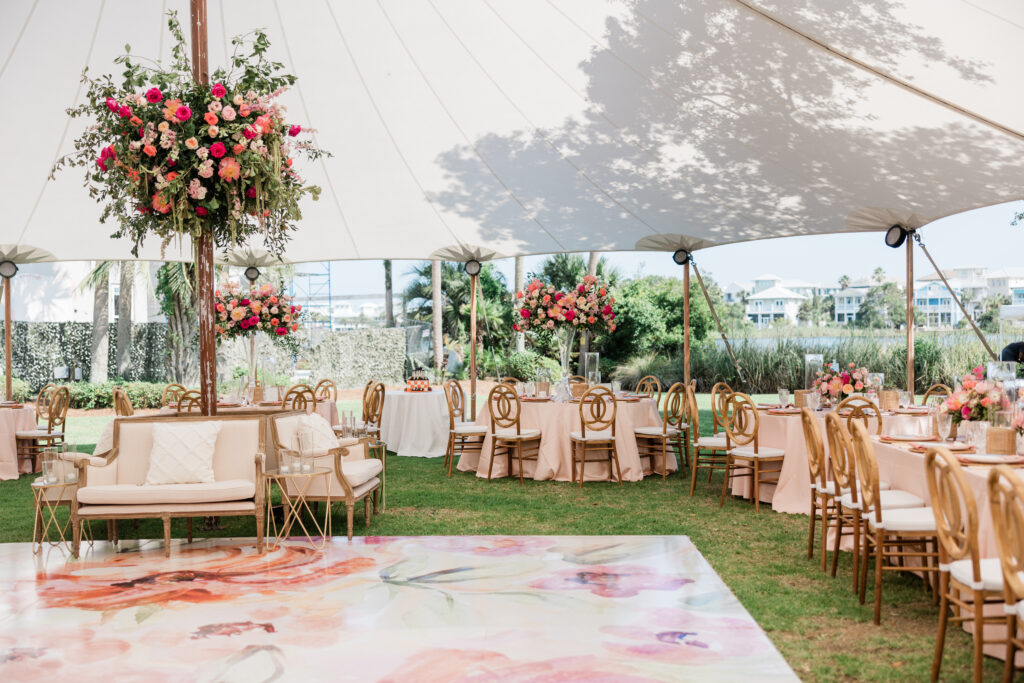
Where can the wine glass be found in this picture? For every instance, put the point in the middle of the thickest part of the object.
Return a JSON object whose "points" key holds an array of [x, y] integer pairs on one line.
{"points": [[944, 421], [783, 398]]}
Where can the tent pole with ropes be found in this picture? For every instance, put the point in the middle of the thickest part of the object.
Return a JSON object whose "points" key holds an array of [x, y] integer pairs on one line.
{"points": [[459, 126]]}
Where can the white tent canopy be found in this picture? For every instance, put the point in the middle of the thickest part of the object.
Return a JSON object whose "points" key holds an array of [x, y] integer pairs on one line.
{"points": [[510, 127]]}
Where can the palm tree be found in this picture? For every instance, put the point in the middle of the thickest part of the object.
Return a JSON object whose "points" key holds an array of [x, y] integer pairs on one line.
{"points": [[389, 306], [494, 303], [178, 302], [878, 276], [124, 318], [98, 280], [844, 281], [565, 271]]}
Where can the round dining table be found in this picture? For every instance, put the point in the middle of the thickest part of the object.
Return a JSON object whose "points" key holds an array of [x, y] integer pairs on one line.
{"points": [[14, 420], [415, 423], [793, 492], [554, 461]]}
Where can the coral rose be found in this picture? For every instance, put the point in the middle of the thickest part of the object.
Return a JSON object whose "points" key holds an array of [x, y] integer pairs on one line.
{"points": [[218, 90], [229, 169]]}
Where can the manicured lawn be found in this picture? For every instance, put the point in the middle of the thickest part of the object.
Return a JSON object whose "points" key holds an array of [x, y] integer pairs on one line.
{"points": [[814, 620]]}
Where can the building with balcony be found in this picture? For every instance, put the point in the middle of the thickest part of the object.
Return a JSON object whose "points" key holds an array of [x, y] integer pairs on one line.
{"points": [[774, 303]]}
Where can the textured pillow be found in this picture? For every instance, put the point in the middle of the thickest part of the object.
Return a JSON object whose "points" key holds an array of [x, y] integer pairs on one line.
{"points": [[288, 429], [182, 453]]}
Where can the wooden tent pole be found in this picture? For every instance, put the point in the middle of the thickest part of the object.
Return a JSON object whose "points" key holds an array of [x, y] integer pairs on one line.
{"points": [[204, 243], [472, 346], [686, 323], [910, 316], [8, 380], [718, 322]]}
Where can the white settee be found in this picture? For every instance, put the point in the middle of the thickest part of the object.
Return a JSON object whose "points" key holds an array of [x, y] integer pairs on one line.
{"points": [[112, 487]]}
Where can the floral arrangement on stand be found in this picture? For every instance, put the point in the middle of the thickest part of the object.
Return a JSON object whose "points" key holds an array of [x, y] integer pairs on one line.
{"points": [[586, 307], [838, 384], [264, 308], [172, 158], [975, 399]]}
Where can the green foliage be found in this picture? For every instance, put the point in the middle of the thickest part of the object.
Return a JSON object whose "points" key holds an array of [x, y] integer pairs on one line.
{"points": [[565, 271], [884, 306], [494, 305], [89, 395], [38, 348], [522, 365], [817, 310], [988, 319], [19, 387]]}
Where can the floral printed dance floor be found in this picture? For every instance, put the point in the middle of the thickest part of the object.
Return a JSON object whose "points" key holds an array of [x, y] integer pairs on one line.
{"points": [[441, 608]]}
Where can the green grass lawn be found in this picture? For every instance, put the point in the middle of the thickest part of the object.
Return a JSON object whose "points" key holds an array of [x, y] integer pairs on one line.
{"points": [[814, 620]]}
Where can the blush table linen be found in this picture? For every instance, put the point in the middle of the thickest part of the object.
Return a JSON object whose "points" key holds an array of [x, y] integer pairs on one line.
{"points": [[14, 420], [556, 421], [415, 423], [793, 492]]}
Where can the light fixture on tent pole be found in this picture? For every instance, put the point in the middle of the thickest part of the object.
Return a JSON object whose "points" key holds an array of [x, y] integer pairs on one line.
{"points": [[252, 274], [896, 236], [682, 256], [8, 269], [472, 267]]}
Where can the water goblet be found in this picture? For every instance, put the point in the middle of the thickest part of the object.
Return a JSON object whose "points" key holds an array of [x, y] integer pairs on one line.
{"points": [[783, 398]]}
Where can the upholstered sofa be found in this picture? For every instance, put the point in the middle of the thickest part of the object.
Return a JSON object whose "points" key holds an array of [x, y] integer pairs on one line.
{"points": [[356, 476], [113, 486]]}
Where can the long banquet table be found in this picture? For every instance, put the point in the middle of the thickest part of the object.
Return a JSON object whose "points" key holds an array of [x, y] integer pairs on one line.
{"points": [[793, 492], [556, 421]]}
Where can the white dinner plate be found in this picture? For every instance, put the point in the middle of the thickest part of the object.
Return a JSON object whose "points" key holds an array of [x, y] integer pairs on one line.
{"points": [[989, 458], [907, 437]]}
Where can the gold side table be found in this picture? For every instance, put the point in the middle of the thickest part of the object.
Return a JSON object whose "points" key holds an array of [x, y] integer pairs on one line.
{"points": [[293, 504], [49, 497]]}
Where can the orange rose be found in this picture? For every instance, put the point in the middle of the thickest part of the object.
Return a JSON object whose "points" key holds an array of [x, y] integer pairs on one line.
{"points": [[149, 151], [238, 148], [295, 327], [171, 176], [210, 118]]}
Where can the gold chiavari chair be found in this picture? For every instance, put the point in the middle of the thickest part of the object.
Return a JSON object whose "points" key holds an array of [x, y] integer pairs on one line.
{"points": [[299, 397], [655, 443], [326, 390], [966, 581], [122, 404], [709, 452], [171, 395], [649, 386], [894, 532], [463, 437], [940, 391], [577, 379], [844, 490], [1006, 503], [860, 409], [597, 433], [511, 381], [745, 455], [43, 403], [190, 402], [720, 394], [373, 409], [822, 496], [30, 443], [366, 397], [507, 434]]}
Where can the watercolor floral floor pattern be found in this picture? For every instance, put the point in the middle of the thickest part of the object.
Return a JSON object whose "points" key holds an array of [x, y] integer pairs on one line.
{"points": [[440, 608]]}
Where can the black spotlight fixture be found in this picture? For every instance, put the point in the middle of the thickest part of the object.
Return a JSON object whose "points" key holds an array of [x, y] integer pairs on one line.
{"points": [[681, 256], [472, 267], [896, 236], [252, 273], [8, 269]]}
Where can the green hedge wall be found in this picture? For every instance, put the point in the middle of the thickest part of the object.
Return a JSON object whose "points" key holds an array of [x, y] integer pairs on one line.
{"points": [[38, 348]]}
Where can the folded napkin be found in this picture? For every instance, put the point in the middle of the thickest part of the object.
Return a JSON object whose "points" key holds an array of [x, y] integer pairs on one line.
{"points": [[966, 459], [889, 439], [923, 448]]}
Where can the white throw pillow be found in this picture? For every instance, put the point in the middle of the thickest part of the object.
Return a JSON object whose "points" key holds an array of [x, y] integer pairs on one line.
{"points": [[182, 453], [324, 438]]}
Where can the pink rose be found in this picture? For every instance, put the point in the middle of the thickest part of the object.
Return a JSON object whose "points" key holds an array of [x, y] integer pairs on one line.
{"points": [[294, 130], [112, 104], [217, 150], [249, 132], [281, 331], [581, 289], [607, 310], [218, 90], [251, 193], [228, 114], [183, 113], [124, 111], [569, 315], [965, 412], [245, 302], [525, 313], [153, 95], [201, 211]]}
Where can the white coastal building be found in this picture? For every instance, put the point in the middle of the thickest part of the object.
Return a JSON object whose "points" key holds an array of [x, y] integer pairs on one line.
{"points": [[772, 304]]}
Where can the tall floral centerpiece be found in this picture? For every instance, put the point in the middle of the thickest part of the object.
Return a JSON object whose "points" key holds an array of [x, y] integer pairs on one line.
{"points": [[975, 399], [173, 153], [837, 384], [244, 313], [586, 307]]}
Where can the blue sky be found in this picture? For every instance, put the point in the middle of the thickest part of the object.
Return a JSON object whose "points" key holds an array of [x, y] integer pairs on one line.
{"points": [[983, 237]]}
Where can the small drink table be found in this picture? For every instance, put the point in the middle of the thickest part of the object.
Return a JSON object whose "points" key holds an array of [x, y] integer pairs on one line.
{"points": [[295, 502], [49, 495]]}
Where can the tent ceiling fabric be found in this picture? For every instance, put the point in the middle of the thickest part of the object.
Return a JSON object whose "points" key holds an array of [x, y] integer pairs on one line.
{"points": [[539, 126]]}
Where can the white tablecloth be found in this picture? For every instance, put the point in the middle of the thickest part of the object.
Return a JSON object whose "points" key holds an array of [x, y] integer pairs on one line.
{"points": [[14, 420], [415, 423]]}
